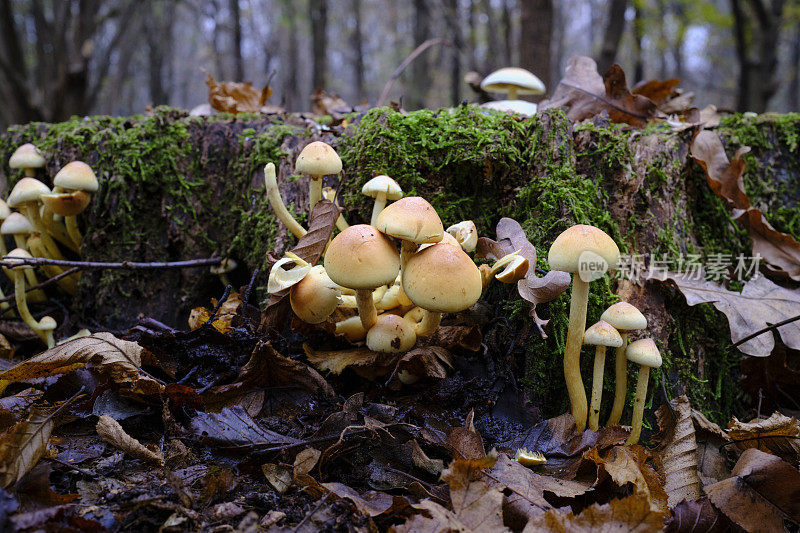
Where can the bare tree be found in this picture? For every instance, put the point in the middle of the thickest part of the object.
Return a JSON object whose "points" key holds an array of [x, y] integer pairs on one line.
{"points": [[613, 34], [289, 70], [420, 74], [158, 21], [453, 18], [236, 27], [535, 43], [318, 12], [357, 45]]}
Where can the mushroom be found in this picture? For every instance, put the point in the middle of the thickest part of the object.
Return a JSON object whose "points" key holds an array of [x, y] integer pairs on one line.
{"points": [[351, 328], [362, 258], [222, 270], [510, 268], [76, 176], [412, 220], [381, 188], [440, 279], [329, 193], [317, 159], [316, 297], [287, 271], [486, 274], [47, 325], [276, 202], [520, 107], [601, 334], [645, 353], [466, 234], [27, 157], [513, 81], [19, 227], [25, 197], [19, 290], [391, 334], [5, 212], [63, 204], [585, 252], [624, 317]]}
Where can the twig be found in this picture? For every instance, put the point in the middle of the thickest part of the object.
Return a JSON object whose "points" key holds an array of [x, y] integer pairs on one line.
{"points": [[764, 330], [74, 467], [45, 283], [407, 61], [16, 261], [249, 288], [312, 512]]}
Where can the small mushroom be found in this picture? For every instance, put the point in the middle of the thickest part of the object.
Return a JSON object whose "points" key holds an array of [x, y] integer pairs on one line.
{"points": [[526, 458], [276, 202], [5, 212], [440, 279], [286, 272], [222, 270], [28, 158], [512, 81], [351, 328], [317, 159], [624, 317], [601, 334], [47, 325], [26, 197], [412, 220], [645, 353], [466, 234], [19, 290], [510, 268], [362, 258], [329, 193], [381, 188], [316, 297], [391, 334], [585, 252], [19, 227], [76, 176], [519, 107]]}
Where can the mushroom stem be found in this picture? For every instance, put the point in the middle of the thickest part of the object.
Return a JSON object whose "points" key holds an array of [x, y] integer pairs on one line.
{"points": [[407, 249], [30, 172], [621, 376], [366, 308], [572, 351], [50, 247], [276, 202], [430, 321], [21, 241], [58, 231], [74, 233], [68, 284], [22, 304], [49, 339], [512, 93], [377, 207], [638, 405], [597, 387], [330, 194], [314, 192]]}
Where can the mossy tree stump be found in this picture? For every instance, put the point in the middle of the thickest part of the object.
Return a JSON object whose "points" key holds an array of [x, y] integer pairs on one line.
{"points": [[175, 187]]}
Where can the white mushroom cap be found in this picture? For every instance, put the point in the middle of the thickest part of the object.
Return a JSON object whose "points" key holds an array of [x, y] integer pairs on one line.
{"points": [[411, 219], [27, 190], [76, 176], [523, 80], [16, 224], [318, 159], [624, 317], [442, 278], [520, 107], [316, 297], [361, 257], [466, 234], [514, 268], [391, 334], [47, 323], [566, 251], [644, 352], [602, 334], [5, 211], [19, 252], [383, 184], [224, 266], [26, 156]]}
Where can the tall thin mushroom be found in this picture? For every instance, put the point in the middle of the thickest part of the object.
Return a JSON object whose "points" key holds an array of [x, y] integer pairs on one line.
{"points": [[601, 335], [645, 353], [381, 188], [276, 202], [587, 253], [624, 317], [317, 159], [19, 291]]}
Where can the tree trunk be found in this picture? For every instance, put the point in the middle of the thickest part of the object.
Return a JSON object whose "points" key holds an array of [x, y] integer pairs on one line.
{"points": [[793, 96], [638, 37], [357, 45], [236, 27], [508, 33], [290, 62], [158, 28], [454, 24], [318, 12], [419, 81], [493, 47], [613, 34], [537, 20]]}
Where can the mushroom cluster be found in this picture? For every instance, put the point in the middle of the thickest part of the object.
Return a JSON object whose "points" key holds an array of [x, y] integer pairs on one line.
{"points": [[43, 224]]}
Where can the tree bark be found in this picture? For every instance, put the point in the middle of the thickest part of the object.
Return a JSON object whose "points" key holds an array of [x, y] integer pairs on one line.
{"points": [[793, 97], [357, 45], [290, 61], [420, 74], [535, 43], [236, 27], [638, 37], [613, 34], [318, 12], [454, 23]]}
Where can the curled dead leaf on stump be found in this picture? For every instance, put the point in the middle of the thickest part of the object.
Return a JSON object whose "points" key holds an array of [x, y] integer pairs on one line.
{"points": [[111, 432], [677, 451], [778, 435], [236, 97]]}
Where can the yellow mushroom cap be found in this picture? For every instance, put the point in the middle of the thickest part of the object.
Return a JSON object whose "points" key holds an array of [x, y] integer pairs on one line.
{"points": [[446, 239], [27, 190], [602, 334], [47, 323], [318, 159], [361, 257], [16, 224], [316, 297], [5, 211], [411, 219], [501, 80], [442, 278], [26, 156], [391, 334], [67, 203], [466, 234], [351, 328], [19, 252], [382, 184], [624, 317], [644, 352], [565, 253], [76, 176]]}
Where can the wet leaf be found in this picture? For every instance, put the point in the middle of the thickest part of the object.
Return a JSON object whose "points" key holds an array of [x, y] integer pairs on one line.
{"points": [[778, 435], [236, 97], [15, 407], [234, 427], [763, 491], [696, 517], [587, 94], [336, 361], [23, 445], [712, 464], [371, 503], [465, 442], [631, 514], [305, 461], [35, 486], [677, 451], [760, 302], [426, 362], [112, 433]]}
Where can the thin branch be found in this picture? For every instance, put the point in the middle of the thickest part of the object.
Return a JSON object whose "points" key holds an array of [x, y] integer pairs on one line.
{"points": [[764, 330], [45, 283], [89, 265], [407, 61]]}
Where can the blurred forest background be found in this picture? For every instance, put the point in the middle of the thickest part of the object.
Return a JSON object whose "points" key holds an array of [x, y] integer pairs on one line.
{"points": [[74, 57]]}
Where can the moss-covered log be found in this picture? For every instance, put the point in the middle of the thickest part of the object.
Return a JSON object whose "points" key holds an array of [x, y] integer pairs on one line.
{"points": [[178, 187]]}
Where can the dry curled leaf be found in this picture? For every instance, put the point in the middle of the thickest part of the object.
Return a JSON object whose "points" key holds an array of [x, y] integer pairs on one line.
{"points": [[23, 445], [236, 97], [677, 450], [657, 91], [778, 435], [763, 491], [222, 321], [761, 301], [336, 361], [627, 464], [112, 433], [696, 517], [371, 503]]}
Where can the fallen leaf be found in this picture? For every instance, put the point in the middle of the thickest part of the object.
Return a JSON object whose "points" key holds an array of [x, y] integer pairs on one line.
{"points": [[421, 459], [457, 337], [677, 451], [657, 91], [233, 427], [429, 362], [279, 476], [371, 503], [541, 290], [306, 460], [35, 486], [222, 320], [112, 433], [323, 103], [627, 464], [492, 250], [760, 302], [510, 230], [780, 251], [587, 94], [763, 491], [632, 514], [236, 97], [465, 442], [476, 505], [336, 361], [775, 376], [712, 463], [15, 407], [696, 517], [23, 445], [778, 435]]}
